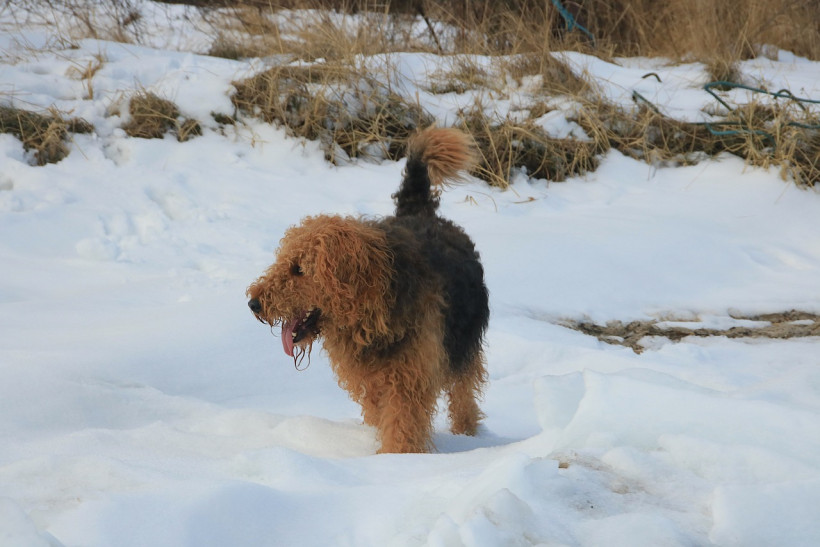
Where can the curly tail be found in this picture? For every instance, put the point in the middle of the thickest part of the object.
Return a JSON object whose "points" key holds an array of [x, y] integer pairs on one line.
{"points": [[435, 158]]}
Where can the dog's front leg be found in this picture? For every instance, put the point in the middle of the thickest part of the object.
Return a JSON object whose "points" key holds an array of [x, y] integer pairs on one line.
{"points": [[405, 417]]}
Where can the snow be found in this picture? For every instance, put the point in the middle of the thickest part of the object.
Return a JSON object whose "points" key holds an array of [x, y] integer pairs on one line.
{"points": [[141, 403]]}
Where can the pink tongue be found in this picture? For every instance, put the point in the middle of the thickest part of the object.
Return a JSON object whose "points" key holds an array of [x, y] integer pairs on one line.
{"points": [[287, 337]]}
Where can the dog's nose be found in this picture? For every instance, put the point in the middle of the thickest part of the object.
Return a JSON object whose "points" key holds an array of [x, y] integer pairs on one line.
{"points": [[255, 305]]}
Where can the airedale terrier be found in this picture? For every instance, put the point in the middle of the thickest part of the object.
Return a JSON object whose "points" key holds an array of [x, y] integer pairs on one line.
{"points": [[400, 302]]}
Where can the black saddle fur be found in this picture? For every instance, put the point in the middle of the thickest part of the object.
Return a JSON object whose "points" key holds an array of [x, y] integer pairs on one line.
{"points": [[440, 253]]}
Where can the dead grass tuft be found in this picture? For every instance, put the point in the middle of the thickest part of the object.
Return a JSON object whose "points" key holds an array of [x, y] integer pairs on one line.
{"points": [[86, 72], [349, 110], [782, 134], [44, 133], [234, 48], [723, 70], [645, 134], [779, 134], [463, 74], [506, 147], [151, 117], [557, 78]]}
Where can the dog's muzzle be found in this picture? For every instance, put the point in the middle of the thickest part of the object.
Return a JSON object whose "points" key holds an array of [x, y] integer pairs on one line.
{"points": [[255, 305]]}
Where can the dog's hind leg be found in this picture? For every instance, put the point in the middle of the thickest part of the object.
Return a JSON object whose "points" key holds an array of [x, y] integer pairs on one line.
{"points": [[462, 395]]}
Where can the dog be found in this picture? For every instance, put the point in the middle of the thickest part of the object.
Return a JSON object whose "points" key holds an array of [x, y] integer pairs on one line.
{"points": [[399, 302]]}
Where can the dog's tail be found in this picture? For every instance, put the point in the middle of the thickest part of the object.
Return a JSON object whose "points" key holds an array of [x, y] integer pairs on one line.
{"points": [[435, 157]]}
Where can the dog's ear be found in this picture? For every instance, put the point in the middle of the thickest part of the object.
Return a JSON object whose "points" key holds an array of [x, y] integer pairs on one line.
{"points": [[353, 267]]}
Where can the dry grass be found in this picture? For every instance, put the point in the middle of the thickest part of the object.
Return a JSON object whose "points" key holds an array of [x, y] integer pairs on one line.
{"points": [[762, 134], [557, 78], [463, 74], [115, 20], [356, 114], [85, 73], [723, 70], [783, 135], [251, 29], [645, 134], [45, 133], [506, 147], [151, 117], [717, 33], [698, 29], [348, 109], [236, 47]]}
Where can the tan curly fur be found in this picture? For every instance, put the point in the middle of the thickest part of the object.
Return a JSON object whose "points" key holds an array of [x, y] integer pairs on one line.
{"points": [[339, 278], [446, 152]]}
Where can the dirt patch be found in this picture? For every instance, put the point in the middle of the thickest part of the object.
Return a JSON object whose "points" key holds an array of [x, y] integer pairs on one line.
{"points": [[790, 324]]}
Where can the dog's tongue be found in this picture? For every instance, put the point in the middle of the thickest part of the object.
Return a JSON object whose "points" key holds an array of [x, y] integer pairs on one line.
{"points": [[287, 336]]}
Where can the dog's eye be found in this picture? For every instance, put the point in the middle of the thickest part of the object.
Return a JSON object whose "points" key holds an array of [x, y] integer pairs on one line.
{"points": [[296, 269]]}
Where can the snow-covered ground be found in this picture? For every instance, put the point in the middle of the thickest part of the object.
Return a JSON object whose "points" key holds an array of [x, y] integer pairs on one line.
{"points": [[141, 403]]}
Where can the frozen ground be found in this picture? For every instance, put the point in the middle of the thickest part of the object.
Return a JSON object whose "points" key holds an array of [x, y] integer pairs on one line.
{"points": [[141, 403]]}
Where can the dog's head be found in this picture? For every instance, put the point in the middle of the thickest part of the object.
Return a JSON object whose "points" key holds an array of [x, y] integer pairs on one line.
{"points": [[331, 276]]}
